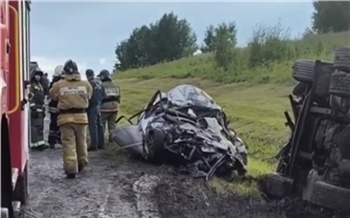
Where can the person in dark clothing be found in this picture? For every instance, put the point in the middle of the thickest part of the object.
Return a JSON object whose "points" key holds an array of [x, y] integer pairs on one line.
{"points": [[54, 134], [94, 113], [45, 83], [36, 100]]}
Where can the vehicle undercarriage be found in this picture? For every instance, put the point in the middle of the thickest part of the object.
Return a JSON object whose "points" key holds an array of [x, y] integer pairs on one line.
{"points": [[315, 163]]}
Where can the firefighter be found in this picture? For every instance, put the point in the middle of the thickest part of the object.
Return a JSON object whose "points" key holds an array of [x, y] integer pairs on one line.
{"points": [[94, 113], [54, 134], [36, 99], [73, 96], [110, 103]]}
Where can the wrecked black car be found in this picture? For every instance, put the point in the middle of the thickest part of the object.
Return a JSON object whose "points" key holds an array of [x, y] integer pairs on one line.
{"points": [[315, 163], [187, 127]]}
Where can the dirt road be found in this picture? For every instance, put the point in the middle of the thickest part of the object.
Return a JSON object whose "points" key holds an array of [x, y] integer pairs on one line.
{"points": [[113, 187], [127, 188]]}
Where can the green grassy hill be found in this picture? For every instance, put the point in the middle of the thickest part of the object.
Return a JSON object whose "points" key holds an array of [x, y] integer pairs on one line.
{"points": [[254, 98], [203, 66]]}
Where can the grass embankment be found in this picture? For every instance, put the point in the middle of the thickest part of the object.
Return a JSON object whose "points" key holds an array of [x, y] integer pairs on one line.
{"points": [[255, 106]]}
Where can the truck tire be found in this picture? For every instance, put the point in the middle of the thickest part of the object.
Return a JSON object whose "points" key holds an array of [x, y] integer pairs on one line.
{"points": [[22, 188], [303, 70], [342, 59], [340, 84]]}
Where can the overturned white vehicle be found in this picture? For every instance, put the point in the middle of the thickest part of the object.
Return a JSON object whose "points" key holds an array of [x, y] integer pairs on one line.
{"points": [[185, 126]]}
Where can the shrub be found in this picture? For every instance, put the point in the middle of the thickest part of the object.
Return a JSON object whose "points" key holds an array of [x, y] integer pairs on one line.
{"points": [[273, 70], [269, 44]]}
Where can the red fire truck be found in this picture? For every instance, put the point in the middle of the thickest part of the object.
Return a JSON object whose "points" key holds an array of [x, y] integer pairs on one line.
{"points": [[14, 87]]}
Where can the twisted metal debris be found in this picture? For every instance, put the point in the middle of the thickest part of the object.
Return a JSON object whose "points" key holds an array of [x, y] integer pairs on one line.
{"points": [[185, 126]]}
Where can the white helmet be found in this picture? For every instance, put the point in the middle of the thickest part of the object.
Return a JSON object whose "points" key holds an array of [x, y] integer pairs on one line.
{"points": [[58, 70]]}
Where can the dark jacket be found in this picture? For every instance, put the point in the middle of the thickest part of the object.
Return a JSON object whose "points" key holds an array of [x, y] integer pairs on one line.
{"points": [[37, 95], [97, 94]]}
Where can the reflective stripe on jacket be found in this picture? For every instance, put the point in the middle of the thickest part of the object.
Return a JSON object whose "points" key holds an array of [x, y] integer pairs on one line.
{"points": [[110, 102]]}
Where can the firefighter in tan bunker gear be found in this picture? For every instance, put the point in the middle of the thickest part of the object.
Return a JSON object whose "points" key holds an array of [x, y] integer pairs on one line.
{"points": [[73, 96]]}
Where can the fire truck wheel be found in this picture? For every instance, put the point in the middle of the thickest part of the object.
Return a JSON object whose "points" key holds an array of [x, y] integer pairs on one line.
{"points": [[342, 59], [340, 84], [4, 213], [6, 169], [303, 70], [22, 189]]}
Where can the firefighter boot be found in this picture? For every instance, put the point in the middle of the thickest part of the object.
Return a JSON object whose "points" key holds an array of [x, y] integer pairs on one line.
{"points": [[70, 175]]}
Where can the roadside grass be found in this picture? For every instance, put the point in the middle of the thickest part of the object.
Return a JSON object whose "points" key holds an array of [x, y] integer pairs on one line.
{"points": [[256, 113]]}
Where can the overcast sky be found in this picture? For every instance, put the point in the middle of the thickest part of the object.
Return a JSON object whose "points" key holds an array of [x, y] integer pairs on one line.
{"points": [[89, 31]]}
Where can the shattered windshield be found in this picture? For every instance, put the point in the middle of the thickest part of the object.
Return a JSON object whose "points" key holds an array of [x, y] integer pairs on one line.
{"points": [[188, 95]]}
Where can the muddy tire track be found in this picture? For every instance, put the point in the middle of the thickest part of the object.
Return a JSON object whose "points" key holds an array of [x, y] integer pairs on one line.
{"points": [[113, 187], [101, 190]]}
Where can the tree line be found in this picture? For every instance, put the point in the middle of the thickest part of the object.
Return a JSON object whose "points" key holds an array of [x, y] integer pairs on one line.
{"points": [[171, 38]]}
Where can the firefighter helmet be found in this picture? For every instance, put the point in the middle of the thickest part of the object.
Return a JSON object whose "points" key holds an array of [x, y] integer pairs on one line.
{"points": [[70, 67], [58, 70]]}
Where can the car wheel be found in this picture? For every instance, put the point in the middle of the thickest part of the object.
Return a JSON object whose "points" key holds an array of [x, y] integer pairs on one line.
{"points": [[155, 142], [340, 84], [342, 59], [303, 70]]}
